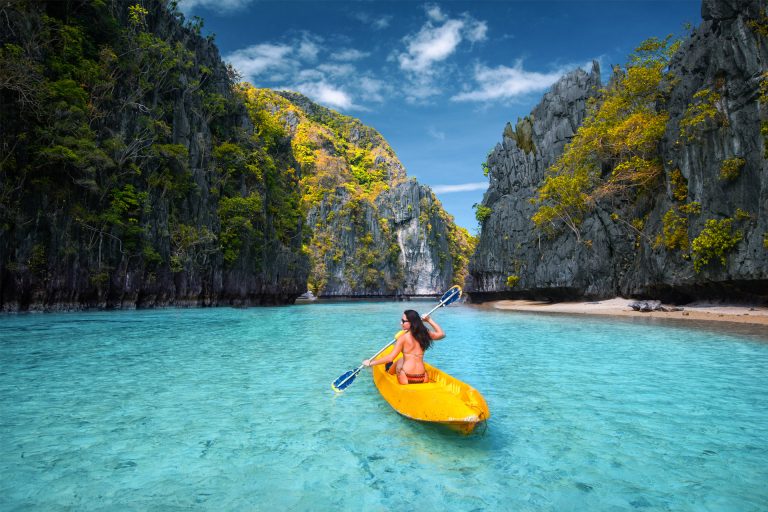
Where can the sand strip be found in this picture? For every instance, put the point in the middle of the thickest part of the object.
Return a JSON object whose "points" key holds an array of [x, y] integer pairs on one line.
{"points": [[757, 315]]}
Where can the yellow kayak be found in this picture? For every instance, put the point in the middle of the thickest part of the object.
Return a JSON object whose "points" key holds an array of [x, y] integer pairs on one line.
{"points": [[443, 399]]}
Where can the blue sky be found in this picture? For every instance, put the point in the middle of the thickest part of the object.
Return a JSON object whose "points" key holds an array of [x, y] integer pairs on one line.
{"points": [[439, 80]]}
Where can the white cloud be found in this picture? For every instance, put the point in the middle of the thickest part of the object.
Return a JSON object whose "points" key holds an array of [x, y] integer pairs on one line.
{"points": [[476, 30], [187, 6], [438, 39], [435, 13], [425, 56], [308, 49], [293, 64], [430, 45], [420, 88], [327, 95], [305, 64], [504, 83], [464, 187], [261, 58], [337, 70], [351, 54], [374, 89], [308, 75]]}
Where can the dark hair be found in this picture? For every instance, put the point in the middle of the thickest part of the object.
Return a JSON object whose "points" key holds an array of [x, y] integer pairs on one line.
{"points": [[418, 329]]}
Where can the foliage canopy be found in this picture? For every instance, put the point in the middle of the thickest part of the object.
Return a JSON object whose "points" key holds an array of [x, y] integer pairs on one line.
{"points": [[615, 150]]}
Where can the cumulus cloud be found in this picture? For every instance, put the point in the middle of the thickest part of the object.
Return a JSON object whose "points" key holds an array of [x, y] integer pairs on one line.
{"points": [[463, 187], [476, 30], [438, 39], [505, 83], [306, 65], [327, 94], [432, 44], [435, 13], [426, 51], [260, 59]]}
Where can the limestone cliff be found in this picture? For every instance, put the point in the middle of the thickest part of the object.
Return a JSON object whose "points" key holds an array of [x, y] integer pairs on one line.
{"points": [[132, 174], [136, 172], [709, 202], [374, 231]]}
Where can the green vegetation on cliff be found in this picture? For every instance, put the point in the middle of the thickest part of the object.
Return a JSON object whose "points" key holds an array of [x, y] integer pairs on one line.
{"points": [[344, 170], [614, 160], [123, 154], [615, 150], [328, 159], [715, 241]]}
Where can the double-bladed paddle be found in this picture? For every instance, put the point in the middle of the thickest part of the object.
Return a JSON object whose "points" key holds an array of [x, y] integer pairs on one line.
{"points": [[345, 379]]}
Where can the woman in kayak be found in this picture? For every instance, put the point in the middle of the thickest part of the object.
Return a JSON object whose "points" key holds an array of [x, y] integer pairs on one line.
{"points": [[416, 339]]}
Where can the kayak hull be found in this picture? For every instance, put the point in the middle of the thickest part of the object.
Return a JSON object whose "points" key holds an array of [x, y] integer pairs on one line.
{"points": [[443, 400]]}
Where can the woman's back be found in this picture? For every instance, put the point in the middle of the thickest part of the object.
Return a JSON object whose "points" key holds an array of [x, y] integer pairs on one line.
{"points": [[413, 355], [416, 338]]}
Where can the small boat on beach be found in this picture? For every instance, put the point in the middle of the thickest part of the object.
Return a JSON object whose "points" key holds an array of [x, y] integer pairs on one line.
{"points": [[444, 399]]}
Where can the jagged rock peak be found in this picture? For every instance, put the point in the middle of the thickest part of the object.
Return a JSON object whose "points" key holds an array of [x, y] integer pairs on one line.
{"points": [[626, 244], [507, 243]]}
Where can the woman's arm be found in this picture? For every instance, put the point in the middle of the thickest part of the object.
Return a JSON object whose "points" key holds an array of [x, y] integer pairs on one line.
{"points": [[438, 332], [389, 357]]}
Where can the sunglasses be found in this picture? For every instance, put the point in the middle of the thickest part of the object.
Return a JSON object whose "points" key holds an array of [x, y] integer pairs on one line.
{"points": [[403, 321]]}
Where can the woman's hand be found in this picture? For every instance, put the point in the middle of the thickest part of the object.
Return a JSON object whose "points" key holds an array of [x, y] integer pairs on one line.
{"points": [[367, 362]]}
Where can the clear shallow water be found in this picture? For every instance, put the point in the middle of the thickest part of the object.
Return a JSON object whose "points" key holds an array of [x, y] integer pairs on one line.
{"points": [[231, 409]]}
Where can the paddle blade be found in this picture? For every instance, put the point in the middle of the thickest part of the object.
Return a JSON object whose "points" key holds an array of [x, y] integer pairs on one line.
{"points": [[452, 295], [344, 380]]}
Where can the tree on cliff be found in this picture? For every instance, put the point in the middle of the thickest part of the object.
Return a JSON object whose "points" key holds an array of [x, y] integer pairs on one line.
{"points": [[615, 151], [131, 169]]}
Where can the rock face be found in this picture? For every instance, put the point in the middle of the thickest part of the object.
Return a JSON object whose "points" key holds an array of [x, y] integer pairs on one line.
{"points": [[396, 245], [131, 181], [374, 232], [423, 234], [508, 243], [727, 54]]}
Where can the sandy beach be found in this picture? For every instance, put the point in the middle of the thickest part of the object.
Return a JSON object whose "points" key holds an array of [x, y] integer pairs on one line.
{"points": [[757, 315]]}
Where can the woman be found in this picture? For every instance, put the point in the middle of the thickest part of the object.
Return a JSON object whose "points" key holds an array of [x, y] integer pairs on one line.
{"points": [[413, 343]]}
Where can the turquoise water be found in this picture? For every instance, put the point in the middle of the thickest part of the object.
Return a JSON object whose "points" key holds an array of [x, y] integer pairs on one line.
{"points": [[231, 409]]}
